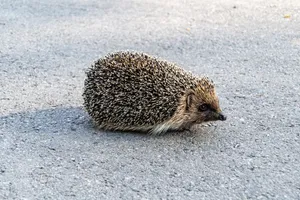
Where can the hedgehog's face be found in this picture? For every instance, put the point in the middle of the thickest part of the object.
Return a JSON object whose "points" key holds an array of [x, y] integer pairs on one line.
{"points": [[203, 105]]}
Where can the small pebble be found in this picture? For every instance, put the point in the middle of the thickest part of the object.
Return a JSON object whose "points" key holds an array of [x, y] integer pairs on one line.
{"points": [[73, 128]]}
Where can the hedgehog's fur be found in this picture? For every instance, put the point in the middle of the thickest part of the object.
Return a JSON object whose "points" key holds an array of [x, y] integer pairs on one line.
{"points": [[136, 92]]}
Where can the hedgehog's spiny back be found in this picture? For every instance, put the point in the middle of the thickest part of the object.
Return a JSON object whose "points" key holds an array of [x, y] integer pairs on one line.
{"points": [[131, 89]]}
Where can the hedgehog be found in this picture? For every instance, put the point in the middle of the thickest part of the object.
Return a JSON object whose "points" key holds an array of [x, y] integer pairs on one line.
{"points": [[132, 91]]}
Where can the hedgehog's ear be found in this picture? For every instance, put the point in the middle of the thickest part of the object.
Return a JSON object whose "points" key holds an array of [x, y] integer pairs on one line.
{"points": [[189, 99]]}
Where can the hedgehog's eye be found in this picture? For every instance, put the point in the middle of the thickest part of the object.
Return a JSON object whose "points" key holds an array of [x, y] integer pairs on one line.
{"points": [[203, 107]]}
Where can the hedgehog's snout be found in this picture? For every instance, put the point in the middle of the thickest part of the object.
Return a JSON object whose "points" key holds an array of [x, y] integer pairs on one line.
{"points": [[222, 117]]}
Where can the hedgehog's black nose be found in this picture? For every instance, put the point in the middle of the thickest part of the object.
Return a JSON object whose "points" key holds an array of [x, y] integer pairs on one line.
{"points": [[222, 117]]}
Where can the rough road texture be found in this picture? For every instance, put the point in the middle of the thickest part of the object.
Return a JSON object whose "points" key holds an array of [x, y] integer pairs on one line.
{"points": [[49, 149]]}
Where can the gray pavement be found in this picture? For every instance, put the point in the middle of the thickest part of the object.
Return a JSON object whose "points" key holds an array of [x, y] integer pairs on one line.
{"points": [[50, 150]]}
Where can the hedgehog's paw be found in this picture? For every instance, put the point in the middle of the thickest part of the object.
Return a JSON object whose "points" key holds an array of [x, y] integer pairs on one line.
{"points": [[188, 129], [208, 124]]}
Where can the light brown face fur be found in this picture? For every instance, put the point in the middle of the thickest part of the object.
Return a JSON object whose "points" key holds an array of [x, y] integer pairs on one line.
{"points": [[201, 109], [202, 103], [198, 105]]}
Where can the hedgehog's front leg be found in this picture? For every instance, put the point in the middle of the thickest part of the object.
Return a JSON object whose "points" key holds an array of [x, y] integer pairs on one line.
{"points": [[160, 129], [168, 126]]}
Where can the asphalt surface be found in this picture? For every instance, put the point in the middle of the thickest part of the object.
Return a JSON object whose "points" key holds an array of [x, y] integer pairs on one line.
{"points": [[50, 150]]}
